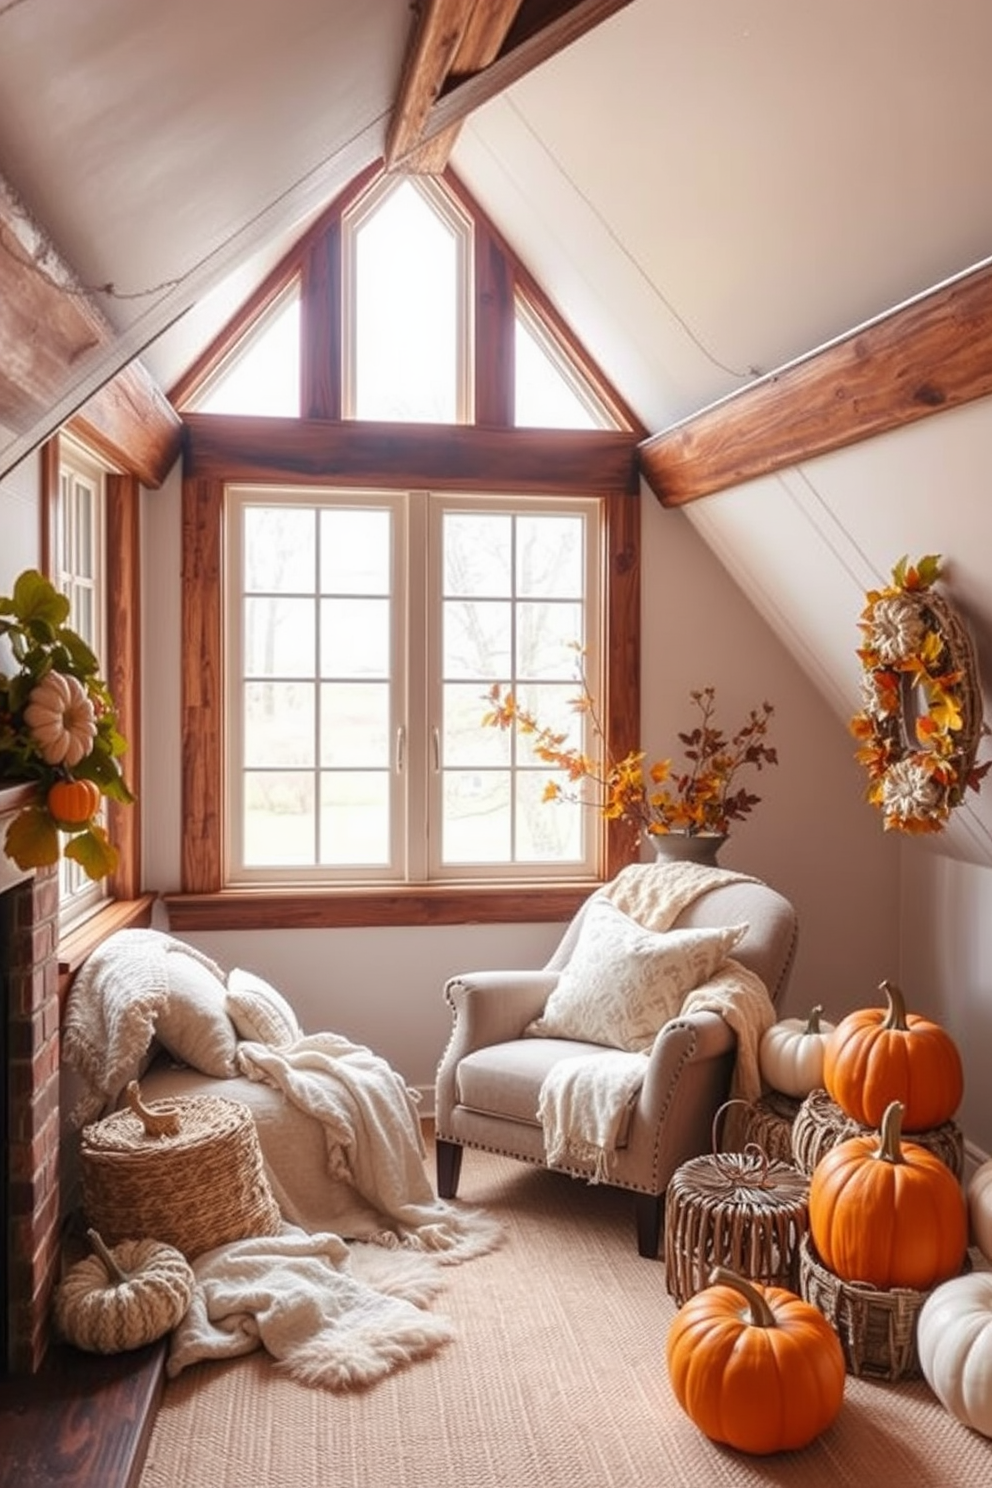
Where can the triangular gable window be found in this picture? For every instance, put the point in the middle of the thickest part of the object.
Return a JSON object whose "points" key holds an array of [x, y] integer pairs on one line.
{"points": [[402, 304], [261, 374]]}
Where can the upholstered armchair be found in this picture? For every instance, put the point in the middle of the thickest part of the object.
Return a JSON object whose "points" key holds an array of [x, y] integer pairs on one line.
{"points": [[491, 1074]]}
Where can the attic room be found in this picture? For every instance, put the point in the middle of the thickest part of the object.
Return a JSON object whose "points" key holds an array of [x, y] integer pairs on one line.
{"points": [[748, 251]]}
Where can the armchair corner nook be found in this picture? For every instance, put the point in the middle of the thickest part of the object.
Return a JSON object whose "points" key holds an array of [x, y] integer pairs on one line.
{"points": [[490, 1075]]}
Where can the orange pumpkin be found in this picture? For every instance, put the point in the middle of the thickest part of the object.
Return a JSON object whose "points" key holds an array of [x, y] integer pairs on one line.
{"points": [[73, 802], [879, 1055], [888, 1213], [755, 1366]]}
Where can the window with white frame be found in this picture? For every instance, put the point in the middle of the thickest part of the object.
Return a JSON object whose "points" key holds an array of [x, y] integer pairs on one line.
{"points": [[364, 630], [79, 560]]}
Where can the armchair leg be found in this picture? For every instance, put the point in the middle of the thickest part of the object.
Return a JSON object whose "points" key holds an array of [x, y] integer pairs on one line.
{"points": [[449, 1167], [649, 1210]]}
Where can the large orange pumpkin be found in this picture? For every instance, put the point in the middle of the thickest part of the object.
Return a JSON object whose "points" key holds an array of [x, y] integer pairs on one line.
{"points": [[755, 1366], [879, 1055], [888, 1213], [73, 802]]}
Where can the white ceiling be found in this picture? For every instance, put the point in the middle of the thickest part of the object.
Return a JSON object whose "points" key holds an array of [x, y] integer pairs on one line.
{"points": [[706, 190]]}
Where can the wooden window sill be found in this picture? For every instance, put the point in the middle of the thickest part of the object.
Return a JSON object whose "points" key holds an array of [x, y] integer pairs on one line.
{"points": [[296, 909]]}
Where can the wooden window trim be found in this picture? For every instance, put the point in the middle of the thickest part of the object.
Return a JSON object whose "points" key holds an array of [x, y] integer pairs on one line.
{"points": [[220, 449]]}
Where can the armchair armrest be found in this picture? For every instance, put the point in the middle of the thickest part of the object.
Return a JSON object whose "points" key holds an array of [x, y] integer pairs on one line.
{"points": [[490, 1007], [694, 1038]]}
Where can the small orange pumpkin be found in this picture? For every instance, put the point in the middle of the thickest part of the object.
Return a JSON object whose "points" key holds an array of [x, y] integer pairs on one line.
{"points": [[879, 1055], [755, 1366], [888, 1213], [73, 802]]}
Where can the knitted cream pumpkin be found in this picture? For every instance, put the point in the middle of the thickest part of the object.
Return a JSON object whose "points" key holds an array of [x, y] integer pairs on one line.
{"points": [[123, 1298]]}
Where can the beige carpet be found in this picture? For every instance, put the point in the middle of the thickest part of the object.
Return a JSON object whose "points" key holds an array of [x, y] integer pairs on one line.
{"points": [[556, 1377]]}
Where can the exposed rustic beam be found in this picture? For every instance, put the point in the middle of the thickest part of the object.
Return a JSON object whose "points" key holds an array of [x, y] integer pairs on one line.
{"points": [[449, 456], [435, 97], [931, 354], [49, 326]]}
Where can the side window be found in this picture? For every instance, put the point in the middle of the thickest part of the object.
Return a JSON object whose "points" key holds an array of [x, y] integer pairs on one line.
{"points": [[79, 572]]}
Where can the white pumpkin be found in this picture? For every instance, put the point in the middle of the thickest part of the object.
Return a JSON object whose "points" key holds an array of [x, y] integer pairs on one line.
{"points": [[790, 1054], [123, 1298], [954, 1343], [980, 1207], [61, 719]]}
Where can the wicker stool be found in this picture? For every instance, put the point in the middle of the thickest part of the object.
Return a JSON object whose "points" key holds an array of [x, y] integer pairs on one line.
{"points": [[820, 1124], [186, 1171], [767, 1123], [735, 1209]]}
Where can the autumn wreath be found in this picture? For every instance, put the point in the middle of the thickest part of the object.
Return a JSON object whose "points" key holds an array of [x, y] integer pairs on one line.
{"points": [[921, 720]]}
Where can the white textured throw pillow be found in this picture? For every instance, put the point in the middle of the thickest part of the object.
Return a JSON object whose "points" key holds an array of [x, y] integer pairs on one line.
{"points": [[622, 982], [260, 1013], [193, 1023]]}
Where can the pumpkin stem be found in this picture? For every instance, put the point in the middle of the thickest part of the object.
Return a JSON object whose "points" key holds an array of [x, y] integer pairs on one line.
{"points": [[115, 1272], [813, 1021], [156, 1123], [761, 1314], [889, 1134], [896, 1015]]}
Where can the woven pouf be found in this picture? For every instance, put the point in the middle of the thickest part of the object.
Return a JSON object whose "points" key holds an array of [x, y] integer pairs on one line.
{"points": [[876, 1326], [767, 1123], [734, 1209], [820, 1124], [188, 1172]]}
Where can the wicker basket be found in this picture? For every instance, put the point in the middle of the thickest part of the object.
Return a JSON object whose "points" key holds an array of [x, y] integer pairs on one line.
{"points": [[820, 1124], [767, 1123], [735, 1209], [186, 1171], [876, 1326]]}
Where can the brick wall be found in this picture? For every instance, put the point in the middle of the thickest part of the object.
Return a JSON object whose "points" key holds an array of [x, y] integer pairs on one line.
{"points": [[33, 1210]]}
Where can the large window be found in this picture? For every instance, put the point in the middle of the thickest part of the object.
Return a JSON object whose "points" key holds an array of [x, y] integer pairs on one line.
{"points": [[454, 507], [365, 630]]}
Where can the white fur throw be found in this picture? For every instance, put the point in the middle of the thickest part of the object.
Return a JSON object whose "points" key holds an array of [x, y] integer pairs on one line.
{"points": [[327, 1315]]}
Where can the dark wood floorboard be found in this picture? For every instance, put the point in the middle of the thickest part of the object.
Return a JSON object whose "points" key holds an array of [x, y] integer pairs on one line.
{"points": [[83, 1421]]}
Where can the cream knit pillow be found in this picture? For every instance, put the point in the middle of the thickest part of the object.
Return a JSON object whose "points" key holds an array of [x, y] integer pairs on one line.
{"points": [[622, 982], [258, 1012]]}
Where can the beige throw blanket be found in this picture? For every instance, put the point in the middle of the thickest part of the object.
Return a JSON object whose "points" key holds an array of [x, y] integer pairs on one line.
{"points": [[584, 1102], [328, 1315], [373, 1138]]}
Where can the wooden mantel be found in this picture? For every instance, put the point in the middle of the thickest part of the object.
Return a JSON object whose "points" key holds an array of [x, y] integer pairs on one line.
{"points": [[929, 355], [12, 798]]}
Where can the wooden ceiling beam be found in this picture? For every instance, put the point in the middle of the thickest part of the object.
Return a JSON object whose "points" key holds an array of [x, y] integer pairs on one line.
{"points": [[49, 329], [458, 60], [931, 354]]}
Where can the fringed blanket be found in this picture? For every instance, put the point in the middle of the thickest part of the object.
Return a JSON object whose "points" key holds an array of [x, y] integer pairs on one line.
{"points": [[328, 1315], [372, 1133], [584, 1103]]}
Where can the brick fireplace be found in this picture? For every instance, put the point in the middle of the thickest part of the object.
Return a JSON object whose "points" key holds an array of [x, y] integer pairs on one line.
{"points": [[30, 1145]]}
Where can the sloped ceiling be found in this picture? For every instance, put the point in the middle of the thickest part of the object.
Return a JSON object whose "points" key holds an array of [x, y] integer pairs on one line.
{"points": [[706, 191]]}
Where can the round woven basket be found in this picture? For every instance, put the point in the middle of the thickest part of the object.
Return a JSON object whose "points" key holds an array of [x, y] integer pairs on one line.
{"points": [[820, 1124], [735, 1209], [767, 1123], [876, 1326], [197, 1183]]}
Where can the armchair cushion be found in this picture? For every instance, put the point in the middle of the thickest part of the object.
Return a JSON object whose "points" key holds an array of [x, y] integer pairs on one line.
{"points": [[622, 982]]}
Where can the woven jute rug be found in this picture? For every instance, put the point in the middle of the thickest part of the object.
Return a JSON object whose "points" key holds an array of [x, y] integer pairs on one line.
{"points": [[556, 1376]]}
